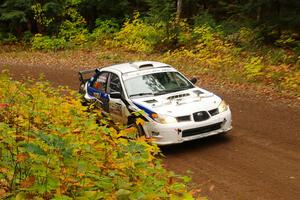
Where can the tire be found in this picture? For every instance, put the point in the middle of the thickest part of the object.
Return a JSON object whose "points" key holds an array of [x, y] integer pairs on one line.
{"points": [[83, 102]]}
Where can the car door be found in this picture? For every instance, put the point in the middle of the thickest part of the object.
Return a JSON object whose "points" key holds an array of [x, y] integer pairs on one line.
{"points": [[98, 89], [116, 105]]}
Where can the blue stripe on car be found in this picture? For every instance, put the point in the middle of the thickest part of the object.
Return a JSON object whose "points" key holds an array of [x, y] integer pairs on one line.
{"points": [[148, 111], [92, 90]]}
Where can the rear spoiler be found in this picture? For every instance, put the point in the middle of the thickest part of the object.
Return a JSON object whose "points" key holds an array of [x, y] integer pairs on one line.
{"points": [[83, 74]]}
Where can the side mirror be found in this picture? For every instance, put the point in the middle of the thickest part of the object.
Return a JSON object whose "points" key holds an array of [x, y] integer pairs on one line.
{"points": [[115, 95], [194, 80]]}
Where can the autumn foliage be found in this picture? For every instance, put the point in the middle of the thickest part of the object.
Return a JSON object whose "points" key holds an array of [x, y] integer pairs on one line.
{"points": [[52, 148]]}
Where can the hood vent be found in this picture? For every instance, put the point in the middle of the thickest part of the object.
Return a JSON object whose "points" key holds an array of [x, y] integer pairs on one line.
{"points": [[198, 92], [178, 96]]}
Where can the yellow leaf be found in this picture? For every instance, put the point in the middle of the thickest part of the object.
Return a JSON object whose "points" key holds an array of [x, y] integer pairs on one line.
{"points": [[3, 170], [77, 130], [139, 121]]}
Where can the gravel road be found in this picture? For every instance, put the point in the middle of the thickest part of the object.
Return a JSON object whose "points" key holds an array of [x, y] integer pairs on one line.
{"points": [[259, 159]]}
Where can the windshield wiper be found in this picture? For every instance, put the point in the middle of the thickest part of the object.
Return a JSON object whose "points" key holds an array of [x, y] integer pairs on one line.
{"points": [[141, 94], [172, 90], [161, 92], [167, 91]]}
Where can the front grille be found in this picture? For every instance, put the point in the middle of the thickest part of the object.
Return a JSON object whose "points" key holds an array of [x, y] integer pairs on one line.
{"points": [[200, 116], [214, 112], [184, 118], [200, 130]]}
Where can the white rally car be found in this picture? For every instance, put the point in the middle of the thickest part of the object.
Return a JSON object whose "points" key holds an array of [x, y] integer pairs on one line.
{"points": [[174, 109]]}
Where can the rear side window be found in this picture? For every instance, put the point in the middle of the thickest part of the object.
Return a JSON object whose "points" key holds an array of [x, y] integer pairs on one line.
{"points": [[101, 81]]}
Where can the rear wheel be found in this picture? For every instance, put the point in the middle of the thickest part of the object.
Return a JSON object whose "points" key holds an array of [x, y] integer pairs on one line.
{"points": [[84, 102]]}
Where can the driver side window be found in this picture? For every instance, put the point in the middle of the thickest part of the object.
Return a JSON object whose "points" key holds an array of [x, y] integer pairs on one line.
{"points": [[115, 84]]}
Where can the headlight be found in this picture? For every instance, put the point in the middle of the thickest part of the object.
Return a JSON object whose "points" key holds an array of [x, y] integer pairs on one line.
{"points": [[223, 106], [165, 119]]}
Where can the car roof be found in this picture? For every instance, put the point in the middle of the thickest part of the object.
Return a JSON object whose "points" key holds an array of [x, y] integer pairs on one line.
{"points": [[135, 66]]}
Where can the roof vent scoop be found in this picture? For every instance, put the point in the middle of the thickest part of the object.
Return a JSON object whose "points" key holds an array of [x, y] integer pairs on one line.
{"points": [[145, 65]]}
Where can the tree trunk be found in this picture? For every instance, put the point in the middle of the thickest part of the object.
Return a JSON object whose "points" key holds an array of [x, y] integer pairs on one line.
{"points": [[258, 13], [179, 9]]}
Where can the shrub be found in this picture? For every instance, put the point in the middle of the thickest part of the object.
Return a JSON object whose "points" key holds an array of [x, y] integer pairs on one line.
{"points": [[8, 38], [139, 36], [205, 19], [276, 56], [74, 31], [254, 69], [51, 148], [244, 37], [104, 30], [27, 36], [48, 43], [287, 40], [203, 35], [292, 82], [296, 50]]}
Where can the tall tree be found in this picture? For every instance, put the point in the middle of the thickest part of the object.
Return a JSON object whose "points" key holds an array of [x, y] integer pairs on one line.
{"points": [[16, 15], [179, 9]]}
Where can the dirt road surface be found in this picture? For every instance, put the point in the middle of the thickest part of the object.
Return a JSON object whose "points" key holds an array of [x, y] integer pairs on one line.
{"points": [[258, 160]]}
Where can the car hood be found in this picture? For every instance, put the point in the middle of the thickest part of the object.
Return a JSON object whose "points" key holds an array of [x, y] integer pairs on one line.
{"points": [[180, 103]]}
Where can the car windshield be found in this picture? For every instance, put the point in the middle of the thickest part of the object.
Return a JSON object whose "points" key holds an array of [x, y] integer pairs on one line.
{"points": [[156, 84]]}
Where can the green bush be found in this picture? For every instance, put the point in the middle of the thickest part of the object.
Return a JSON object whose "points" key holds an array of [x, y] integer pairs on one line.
{"points": [[286, 40], [104, 30], [205, 20], [7, 38], [52, 148], [48, 43], [278, 56], [296, 50], [244, 37], [139, 36], [70, 34], [69, 29], [203, 35], [27, 36], [254, 69]]}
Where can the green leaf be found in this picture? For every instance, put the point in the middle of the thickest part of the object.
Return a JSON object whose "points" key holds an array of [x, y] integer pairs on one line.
{"points": [[33, 148], [61, 197], [21, 196], [123, 194]]}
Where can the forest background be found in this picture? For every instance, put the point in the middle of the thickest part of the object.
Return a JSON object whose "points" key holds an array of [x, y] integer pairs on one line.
{"points": [[242, 40]]}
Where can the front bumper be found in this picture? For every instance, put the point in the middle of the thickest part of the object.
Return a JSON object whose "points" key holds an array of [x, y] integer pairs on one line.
{"points": [[166, 134]]}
